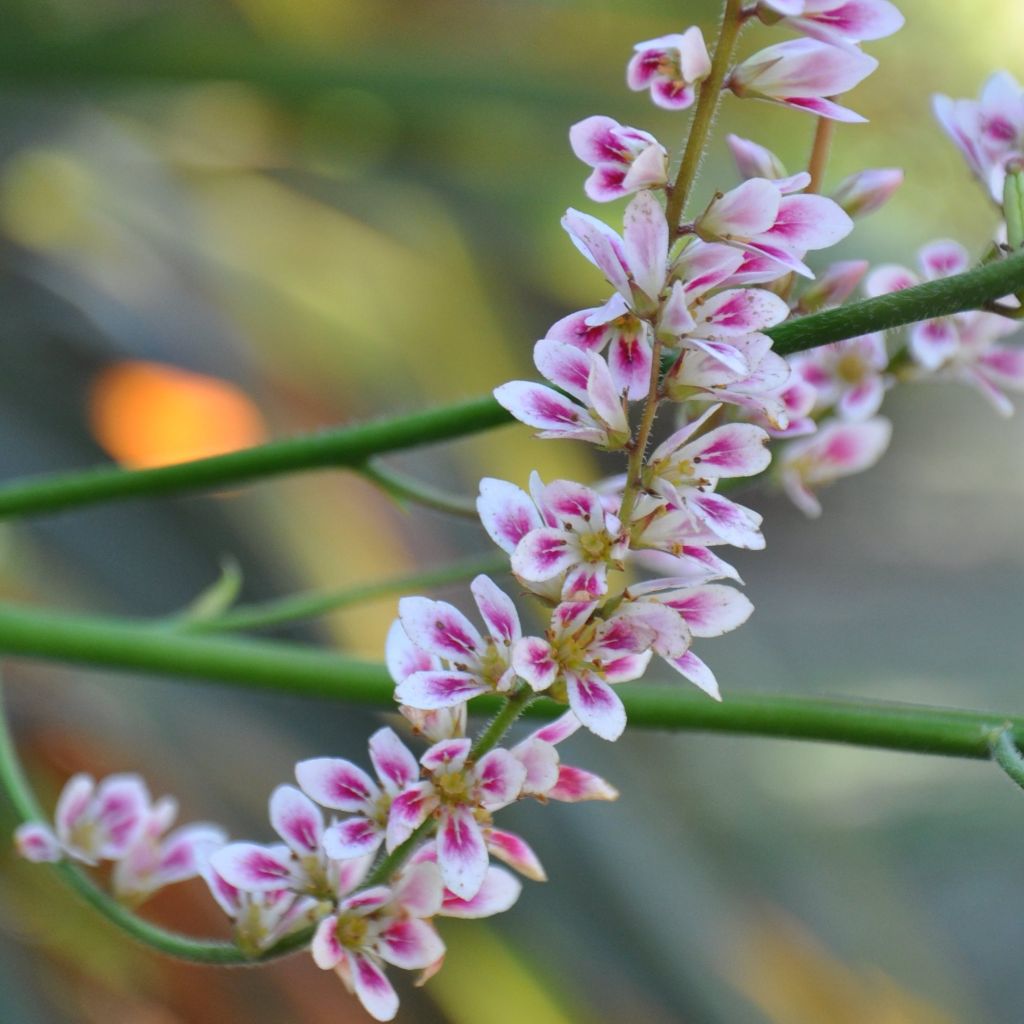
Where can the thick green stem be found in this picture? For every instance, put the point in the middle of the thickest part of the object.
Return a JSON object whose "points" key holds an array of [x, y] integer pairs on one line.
{"points": [[304, 671], [351, 446], [704, 114], [183, 947], [321, 602]]}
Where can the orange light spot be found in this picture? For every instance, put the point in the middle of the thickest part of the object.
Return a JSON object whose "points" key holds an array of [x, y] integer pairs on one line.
{"points": [[148, 414]]}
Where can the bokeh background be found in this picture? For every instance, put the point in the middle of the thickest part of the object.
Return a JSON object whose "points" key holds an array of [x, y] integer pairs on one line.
{"points": [[228, 219]]}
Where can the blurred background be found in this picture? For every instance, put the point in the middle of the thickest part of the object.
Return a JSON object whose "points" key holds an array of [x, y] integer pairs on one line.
{"points": [[224, 220]]}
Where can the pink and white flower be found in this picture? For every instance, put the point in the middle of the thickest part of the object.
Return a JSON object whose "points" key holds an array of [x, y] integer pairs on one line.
{"points": [[988, 131], [833, 286], [633, 264], [867, 191], [802, 73], [343, 786], [546, 777], [598, 415], [670, 67], [470, 664], [299, 864], [261, 919], [624, 159], [160, 858], [91, 823], [841, 23], [758, 218], [849, 375], [838, 449], [461, 795], [377, 926]]}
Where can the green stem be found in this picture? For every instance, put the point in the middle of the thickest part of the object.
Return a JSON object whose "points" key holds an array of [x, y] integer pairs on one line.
{"points": [[346, 447], [315, 603], [407, 488], [201, 951], [704, 113], [396, 858], [305, 671], [350, 447], [1007, 755], [513, 707]]}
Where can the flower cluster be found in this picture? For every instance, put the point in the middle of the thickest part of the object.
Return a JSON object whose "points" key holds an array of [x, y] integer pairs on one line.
{"points": [[117, 821], [366, 863]]}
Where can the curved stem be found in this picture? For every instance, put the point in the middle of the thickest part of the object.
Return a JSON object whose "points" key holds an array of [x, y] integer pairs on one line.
{"points": [[351, 446], [1007, 755], [182, 947], [704, 114], [406, 488], [387, 866], [320, 602], [305, 671]]}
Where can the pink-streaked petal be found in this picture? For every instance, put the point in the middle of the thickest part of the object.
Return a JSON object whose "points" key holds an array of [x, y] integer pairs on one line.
{"points": [[433, 691], [120, 808], [336, 783], [850, 22], [534, 661], [540, 760], [801, 68], [743, 212], [629, 360], [824, 108], [867, 191], [862, 401], [702, 266], [601, 246], [711, 609], [408, 811], [933, 342], [1005, 365], [327, 951], [567, 366], [560, 729], [740, 311], [440, 628], [499, 777], [228, 897], [587, 329], [595, 140], [354, 837], [809, 222], [753, 160], [889, 277], [73, 802], [673, 95], [36, 842], [943, 259], [645, 236], [576, 784], [690, 666], [497, 610], [516, 853], [410, 944], [669, 634], [372, 987], [499, 892], [626, 667], [506, 512], [733, 450], [351, 873], [448, 754], [296, 819], [393, 761], [735, 524], [604, 395], [597, 706], [543, 554], [403, 657], [693, 565], [648, 170], [420, 889], [835, 285], [461, 852], [255, 868]]}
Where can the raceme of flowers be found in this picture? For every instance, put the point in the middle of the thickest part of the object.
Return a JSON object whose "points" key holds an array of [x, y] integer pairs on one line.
{"points": [[368, 860]]}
